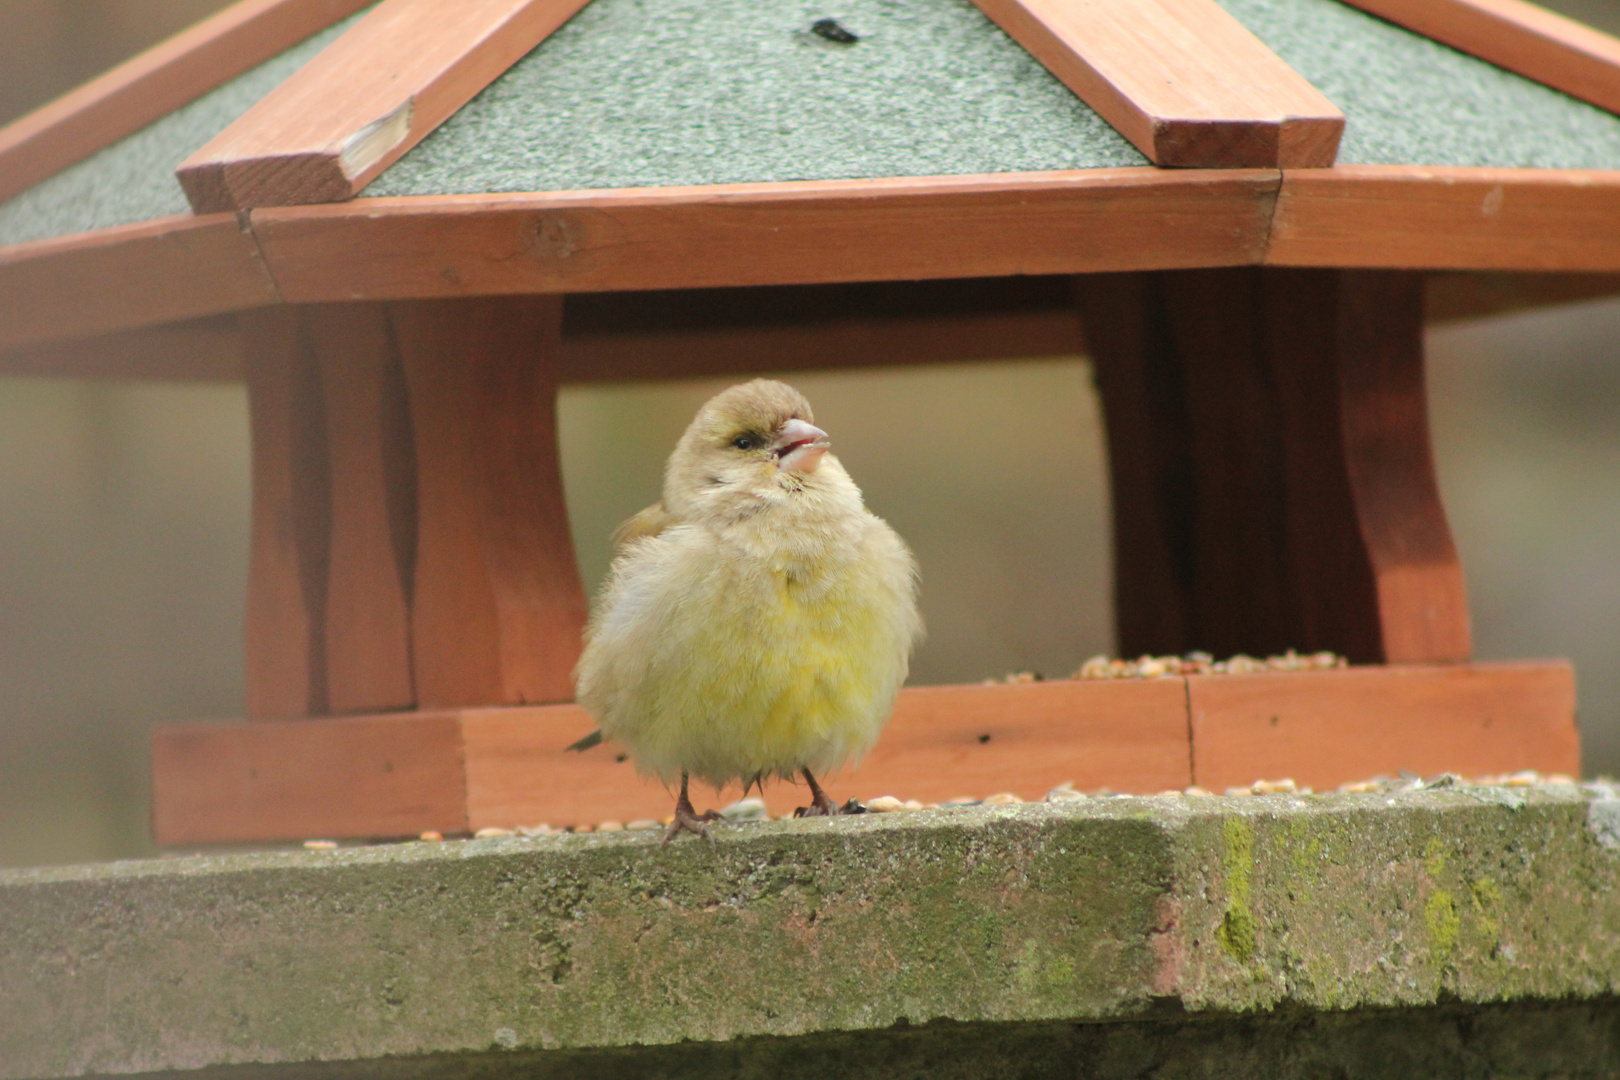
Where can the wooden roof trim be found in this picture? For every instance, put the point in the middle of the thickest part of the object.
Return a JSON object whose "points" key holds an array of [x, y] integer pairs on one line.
{"points": [[769, 234], [1183, 80], [370, 96], [1521, 37], [156, 82], [1452, 218], [845, 230], [126, 277], [210, 348]]}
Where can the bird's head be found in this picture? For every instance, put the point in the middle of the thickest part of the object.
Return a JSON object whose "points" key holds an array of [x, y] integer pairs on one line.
{"points": [[756, 440]]}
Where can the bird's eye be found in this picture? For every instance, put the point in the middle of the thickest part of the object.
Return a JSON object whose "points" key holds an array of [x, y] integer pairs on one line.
{"points": [[743, 442]]}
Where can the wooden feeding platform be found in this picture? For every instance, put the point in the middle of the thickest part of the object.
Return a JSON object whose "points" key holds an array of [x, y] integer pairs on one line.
{"points": [[405, 227]]}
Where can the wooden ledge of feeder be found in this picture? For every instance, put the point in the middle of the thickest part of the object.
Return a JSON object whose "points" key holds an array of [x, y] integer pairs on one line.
{"points": [[156, 82], [1520, 37], [370, 96], [456, 771], [1183, 80]]}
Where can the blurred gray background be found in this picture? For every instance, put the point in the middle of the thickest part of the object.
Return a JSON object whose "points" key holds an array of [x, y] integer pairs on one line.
{"points": [[123, 507]]}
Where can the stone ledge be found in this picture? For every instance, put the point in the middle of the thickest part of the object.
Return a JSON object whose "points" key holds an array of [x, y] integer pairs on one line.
{"points": [[1183, 922]]}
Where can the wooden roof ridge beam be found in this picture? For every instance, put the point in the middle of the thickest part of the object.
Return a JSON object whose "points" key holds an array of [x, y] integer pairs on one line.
{"points": [[370, 96], [1181, 79], [156, 82], [1523, 38]]}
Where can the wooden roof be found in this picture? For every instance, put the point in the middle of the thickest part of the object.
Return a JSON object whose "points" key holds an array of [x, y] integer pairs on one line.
{"points": [[725, 142]]}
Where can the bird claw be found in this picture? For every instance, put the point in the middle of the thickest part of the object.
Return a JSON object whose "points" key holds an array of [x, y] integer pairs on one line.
{"points": [[822, 806], [692, 821]]}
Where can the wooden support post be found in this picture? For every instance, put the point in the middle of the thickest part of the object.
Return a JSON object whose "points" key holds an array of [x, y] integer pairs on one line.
{"points": [[1365, 521], [1273, 480], [410, 542], [286, 599], [498, 608], [372, 541]]}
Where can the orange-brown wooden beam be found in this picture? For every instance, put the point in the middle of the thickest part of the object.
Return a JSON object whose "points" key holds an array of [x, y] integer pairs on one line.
{"points": [[289, 534], [465, 769], [409, 544], [1183, 80], [370, 96], [1370, 549], [624, 336], [497, 605], [1524, 38], [1273, 479], [155, 83], [372, 522]]}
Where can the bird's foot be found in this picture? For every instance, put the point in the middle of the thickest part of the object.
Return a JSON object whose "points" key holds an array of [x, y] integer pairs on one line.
{"points": [[689, 819], [820, 806]]}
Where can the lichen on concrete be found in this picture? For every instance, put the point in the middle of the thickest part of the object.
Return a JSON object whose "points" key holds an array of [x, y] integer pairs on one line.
{"points": [[429, 959]]}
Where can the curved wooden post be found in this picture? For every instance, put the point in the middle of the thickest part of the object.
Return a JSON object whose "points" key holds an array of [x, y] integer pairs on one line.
{"points": [[410, 542], [498, 608], [1273, 479], [287, 562]]}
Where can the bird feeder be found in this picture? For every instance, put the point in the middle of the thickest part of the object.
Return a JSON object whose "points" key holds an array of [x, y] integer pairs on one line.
{"points": [[405, 226]]}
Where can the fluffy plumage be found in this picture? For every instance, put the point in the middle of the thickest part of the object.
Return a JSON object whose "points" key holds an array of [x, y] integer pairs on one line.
{"points": [[757, 621]]}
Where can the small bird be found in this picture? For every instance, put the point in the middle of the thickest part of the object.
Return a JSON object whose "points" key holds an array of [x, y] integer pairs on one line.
{"points": [[758, 621]]}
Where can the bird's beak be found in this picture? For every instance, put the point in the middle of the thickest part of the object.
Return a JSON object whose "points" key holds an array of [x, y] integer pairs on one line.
{"points": [[800, 446]]}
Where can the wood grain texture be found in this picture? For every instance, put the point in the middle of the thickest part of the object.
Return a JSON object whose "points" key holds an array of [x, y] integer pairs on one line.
{"points": [[943, 742], [155, 83], [290, 530], [764, 234], [1138, 372], [207, 349], [369, 97], [498, 608], [372, 539], [844, 343], [1272, 478], [127, 277], [1183, 80], [1323, 729], [1451, 296], [474, 768], [1419, 217], [1370, 552], [210, 348], [1523, 38], [365, 777], [1518, 220]]}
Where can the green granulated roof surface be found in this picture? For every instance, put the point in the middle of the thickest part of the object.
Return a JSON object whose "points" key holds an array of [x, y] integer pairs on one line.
{"points": [[1408, 100], [133, 179], [638, 93]]}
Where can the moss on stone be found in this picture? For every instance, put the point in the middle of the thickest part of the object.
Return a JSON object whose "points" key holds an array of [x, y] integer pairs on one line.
{"points": [[563, 950]]}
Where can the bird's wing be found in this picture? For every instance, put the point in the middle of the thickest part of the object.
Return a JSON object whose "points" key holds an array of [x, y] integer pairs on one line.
{"points": [[650, 522]]}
